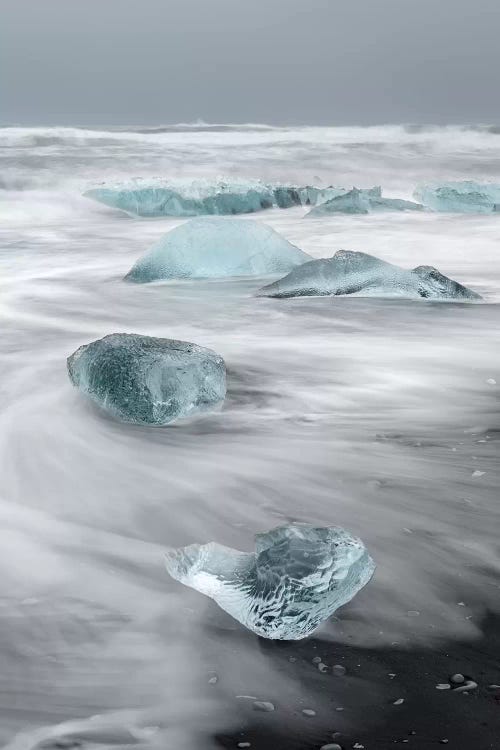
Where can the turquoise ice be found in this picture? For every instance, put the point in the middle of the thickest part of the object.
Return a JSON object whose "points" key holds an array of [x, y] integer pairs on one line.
{"points": [[148, 380], [157, 197], [461, 197], [216, 248], [297, 577], [349, 272], [362, 202]]}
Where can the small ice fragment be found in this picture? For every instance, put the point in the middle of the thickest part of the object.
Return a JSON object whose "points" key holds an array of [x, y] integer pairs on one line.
{"points": [[465, 196], [266, 706], [296, 578], [213, 679], [217, 248], [478, 473], [331, 746], [244, 744], [322, 667], [358, 746], [339, 670], [399, 701], [147, 380], [392, 675], [413, 613], [443, 686], [308, 712], [316, 660], [350, 272], [491, 381], [457, 679]]}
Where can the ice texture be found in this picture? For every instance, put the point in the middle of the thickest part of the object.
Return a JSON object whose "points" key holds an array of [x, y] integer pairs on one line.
{"points": [[363, 202], [156, 197], [461, 197], [297, 577], [215, 248], [349, 272], [148, 380]]}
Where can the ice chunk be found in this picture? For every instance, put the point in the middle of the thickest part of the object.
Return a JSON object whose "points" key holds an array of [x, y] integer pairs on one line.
{"points": [[363, 202], [297, 577], [461, 197], [148, 380], [214, 248], [156, 197], [349, 272]]}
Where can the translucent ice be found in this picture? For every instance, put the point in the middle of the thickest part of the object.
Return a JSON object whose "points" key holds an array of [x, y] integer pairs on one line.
{"points": [[214, 248], [156, 197], [296, 578], [461, 197], [363, 202], [349, 272], [148, 380]]}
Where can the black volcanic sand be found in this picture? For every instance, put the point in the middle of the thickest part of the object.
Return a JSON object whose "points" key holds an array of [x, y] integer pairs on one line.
{"points": [[374, 680]]}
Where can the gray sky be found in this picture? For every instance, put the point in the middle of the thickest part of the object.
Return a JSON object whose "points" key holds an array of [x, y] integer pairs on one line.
{"points": [[97, 62]]}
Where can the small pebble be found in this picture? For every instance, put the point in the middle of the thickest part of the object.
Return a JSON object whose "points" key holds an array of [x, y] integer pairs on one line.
{"points": [[493, 687], [444, 742], [469, 685], [398, 702], [413, 613], [263, 706], [477, 473], [392, 675], [322, 667], [358, 746], [331, 746], [443, 686], [339, 670], [457, 679], [308, 712], [339, 708], [244, 744], [316, 660], [292, 658], [491, 381]]}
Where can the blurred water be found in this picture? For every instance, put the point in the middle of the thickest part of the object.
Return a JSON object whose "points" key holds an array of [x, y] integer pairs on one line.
{"points": [[372, 414]]}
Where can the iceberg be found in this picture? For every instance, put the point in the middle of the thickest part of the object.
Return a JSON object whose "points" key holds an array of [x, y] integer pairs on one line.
{"points": [[215, 248], [349, 272], [461, 197], [148, 380], [297, 577], [363, 202], [156, 197]]}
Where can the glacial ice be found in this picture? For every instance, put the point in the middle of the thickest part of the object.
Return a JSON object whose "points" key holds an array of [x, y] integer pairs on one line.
{"points": [[156, 197], [349, 272], [363, 202], [148, 380], [297, 577], [214, 248], [461, 197]]}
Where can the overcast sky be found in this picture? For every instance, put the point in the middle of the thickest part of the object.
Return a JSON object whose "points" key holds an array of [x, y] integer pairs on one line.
{"points": [[98, 62]]}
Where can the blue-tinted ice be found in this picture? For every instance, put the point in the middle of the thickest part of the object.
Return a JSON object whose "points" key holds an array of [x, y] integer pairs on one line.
{"points": [[215, 248], [349, 272], [148, 380], [363, 202], [461, 197], [297, 577], [157, 197]]}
